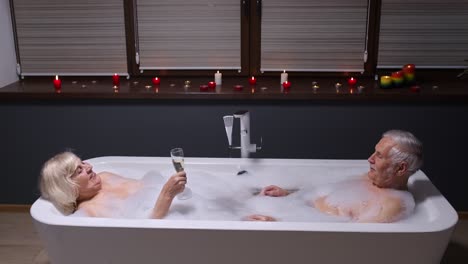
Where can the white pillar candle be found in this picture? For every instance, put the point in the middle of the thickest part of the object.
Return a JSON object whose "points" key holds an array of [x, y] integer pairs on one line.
{"points": [[218, 78], [284, 77]]}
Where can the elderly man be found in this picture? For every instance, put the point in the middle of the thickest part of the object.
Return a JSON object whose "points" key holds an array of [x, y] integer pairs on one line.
{"points": [[381, 196]]}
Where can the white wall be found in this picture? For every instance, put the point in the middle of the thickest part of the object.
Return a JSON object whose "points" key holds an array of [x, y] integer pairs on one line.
{"points": [[7, 46]]}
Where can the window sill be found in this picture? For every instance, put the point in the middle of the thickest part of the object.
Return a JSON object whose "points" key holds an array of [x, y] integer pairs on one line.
{"points": [[446, 89]]}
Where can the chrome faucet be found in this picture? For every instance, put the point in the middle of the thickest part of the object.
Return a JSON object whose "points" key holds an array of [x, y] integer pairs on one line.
{"points": [[245, 147]]}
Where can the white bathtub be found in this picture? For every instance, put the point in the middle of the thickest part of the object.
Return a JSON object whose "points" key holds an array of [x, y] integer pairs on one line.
{"points": [[421, 238]]}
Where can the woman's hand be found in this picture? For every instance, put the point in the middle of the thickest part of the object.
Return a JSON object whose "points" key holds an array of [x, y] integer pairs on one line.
{"points": [[171, 188], [175, 184], [274, 191]]}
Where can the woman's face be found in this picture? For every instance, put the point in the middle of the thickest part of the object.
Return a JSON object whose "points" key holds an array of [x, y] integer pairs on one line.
{"points": [[89, 183]]}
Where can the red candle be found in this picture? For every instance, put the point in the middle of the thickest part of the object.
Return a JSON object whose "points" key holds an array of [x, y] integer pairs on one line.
{"points": [[116, 79], [211, 85], [238, 87], [408, 73], [409, 68], [352, 81], [415, 88], [287, 85], [397, 78], [156, 81], [203, 87], [57, 83], [253, 80]]}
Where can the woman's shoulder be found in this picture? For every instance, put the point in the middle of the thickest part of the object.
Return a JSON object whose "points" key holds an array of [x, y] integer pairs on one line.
{"points": [[107, 174], [111, 179]]}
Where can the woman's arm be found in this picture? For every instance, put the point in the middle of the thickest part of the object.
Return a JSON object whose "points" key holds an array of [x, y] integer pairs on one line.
{"points": [[173, 186]]}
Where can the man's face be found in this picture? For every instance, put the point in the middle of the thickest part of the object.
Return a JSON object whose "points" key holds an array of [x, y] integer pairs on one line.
{"points": [[382, 171]]}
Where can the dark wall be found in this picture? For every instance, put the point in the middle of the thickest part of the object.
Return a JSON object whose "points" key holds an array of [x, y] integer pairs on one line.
{"points": [[32, 132]]}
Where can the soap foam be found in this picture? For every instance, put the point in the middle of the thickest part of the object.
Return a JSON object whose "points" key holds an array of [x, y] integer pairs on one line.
{"points": [[228, 196]]}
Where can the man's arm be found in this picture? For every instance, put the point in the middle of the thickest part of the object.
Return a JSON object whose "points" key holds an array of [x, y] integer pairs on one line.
{"points": [[388, 211], [384, 211]]}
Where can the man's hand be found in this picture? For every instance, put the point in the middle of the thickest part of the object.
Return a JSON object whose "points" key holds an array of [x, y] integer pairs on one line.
{"points": [[274, 191]]}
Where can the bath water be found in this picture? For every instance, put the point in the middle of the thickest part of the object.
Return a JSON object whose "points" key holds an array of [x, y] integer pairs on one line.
{"points": [[221, 194]]}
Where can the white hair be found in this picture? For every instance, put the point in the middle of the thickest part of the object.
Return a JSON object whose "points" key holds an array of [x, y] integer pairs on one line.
{"points": [[408, 149], [56, 184]]}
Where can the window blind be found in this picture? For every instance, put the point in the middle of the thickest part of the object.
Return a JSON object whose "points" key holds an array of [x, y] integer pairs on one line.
{"points": [[313, 35], [71, 37], [197, 34], [428, 33]]}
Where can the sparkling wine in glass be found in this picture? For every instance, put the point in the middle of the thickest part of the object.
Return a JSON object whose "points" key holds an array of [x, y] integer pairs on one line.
{"points": [[177, 155]]}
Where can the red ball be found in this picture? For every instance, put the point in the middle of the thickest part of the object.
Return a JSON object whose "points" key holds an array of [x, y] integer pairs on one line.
{"points": [[253, 81]]}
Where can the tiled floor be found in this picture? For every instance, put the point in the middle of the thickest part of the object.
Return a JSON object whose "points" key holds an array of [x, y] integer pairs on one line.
{"points": [[19, 243]]}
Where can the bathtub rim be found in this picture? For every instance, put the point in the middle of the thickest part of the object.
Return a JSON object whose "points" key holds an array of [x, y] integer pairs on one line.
{"points": [[447, 218]]}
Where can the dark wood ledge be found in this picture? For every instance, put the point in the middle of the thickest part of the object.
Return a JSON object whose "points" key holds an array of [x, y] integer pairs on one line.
{"points": [[441, 88]]}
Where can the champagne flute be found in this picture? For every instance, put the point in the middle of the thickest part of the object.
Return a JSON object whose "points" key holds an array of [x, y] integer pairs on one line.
{"points": [[177, 155]]}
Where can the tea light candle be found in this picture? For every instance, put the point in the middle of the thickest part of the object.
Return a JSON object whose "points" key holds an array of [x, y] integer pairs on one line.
{"points": [[352, 81], [218, 78], [286, 85], [156, 81], [57, 83], [203, 87], [284, 77], [211, 85], [115, 79], [238, 87], [385, 82], [253, 80], [415, 88]]}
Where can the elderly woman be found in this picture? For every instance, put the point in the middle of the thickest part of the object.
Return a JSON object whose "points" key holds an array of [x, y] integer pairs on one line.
{"points": [[381, 195], [72, 185]]}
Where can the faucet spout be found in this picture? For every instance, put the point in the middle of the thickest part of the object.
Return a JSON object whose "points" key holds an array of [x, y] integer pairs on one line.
{"points": [[245, 146]]}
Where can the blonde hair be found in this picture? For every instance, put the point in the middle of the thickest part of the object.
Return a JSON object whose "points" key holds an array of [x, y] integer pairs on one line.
{"points": [[56, 184]]}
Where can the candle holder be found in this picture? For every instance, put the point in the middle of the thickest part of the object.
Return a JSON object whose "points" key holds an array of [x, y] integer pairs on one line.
{"points": [[360, 89]]}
